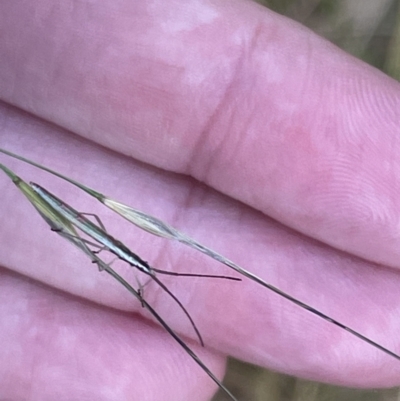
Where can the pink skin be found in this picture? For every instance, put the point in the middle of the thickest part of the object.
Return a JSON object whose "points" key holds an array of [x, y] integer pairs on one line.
{"points": [[272, 119]]}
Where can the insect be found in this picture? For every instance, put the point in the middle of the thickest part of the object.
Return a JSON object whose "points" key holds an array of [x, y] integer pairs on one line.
{"points": [[59, 223], [159, 228], [113, 245]]}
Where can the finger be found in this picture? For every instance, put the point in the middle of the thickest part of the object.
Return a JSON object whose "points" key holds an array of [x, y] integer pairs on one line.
{"points": [[228, 92], [56, 346], [263, 328]]}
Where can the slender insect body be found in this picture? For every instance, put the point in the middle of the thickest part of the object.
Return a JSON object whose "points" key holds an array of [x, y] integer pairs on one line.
{"points": [[91, 229]]}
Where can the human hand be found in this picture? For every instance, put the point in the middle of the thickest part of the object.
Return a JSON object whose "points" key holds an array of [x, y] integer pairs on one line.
{"points": [[275, 119]]}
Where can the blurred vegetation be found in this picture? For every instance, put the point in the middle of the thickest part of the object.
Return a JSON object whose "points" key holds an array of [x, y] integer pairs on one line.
{"points": [[251, 383], [370, 30]]}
